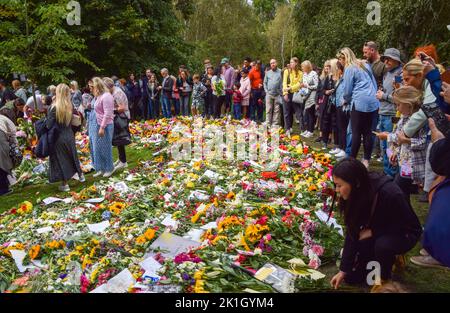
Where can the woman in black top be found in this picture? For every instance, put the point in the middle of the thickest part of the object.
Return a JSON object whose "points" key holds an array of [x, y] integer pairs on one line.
{"points": [[380, 224]]}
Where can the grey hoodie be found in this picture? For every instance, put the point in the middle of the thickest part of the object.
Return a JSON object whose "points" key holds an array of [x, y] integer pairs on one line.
{"points": [[387, 106]]}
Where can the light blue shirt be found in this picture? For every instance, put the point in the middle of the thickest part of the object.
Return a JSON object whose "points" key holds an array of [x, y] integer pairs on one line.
{"points": [[339, 94], [360, 89]]}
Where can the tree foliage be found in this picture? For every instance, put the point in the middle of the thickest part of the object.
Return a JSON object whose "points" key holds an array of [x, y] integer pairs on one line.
{"points": [[327, 25], [131, 35], [225, 28], [34, 40]]}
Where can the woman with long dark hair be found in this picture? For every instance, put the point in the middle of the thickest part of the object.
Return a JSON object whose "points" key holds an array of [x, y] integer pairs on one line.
{"points": [[380, 223]]}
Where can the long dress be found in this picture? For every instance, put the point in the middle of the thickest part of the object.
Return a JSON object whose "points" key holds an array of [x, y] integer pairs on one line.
{"points": [[63, 160]]}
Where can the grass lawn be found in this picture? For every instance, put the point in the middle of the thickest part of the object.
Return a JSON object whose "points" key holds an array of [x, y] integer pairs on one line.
{"points": [[414, 278]]}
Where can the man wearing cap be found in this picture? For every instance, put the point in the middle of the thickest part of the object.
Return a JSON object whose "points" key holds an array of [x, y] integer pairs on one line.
{"points": [[229, 81], [387, 111]]}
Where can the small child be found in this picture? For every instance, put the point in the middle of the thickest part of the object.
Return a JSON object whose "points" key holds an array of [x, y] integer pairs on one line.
{"points": [[408, 153], [237, 100], [198, 93]]}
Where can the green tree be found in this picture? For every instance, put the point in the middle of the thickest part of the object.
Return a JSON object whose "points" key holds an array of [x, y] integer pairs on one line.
{"points": [[225, 28], [267, 8], [34, 40], [131, 35], [282, 34], [328, 25]]}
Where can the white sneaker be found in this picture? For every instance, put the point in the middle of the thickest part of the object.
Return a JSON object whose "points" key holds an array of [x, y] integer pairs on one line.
{"points": [[288, 134], [341, 155], [82, 178], [120, 165], [308, 134], [304, 133], [117, 163], [64, 188], [98, 174], [108, 174], [335, 151]]}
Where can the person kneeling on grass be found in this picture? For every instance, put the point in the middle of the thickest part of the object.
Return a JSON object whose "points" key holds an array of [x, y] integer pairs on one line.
{"points": [[380, 224]]}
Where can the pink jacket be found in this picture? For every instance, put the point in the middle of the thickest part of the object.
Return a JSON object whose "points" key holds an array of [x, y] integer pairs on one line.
{"points": [[104, 110], [246, 88]]}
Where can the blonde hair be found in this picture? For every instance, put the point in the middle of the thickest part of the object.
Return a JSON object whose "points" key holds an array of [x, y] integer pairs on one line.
{"points": [[74, 84], [307, 64], [108, 82], [16, 84], [410, 96], [334, 69], [350, 58], [99, 86], [63, 105], [323, 75], [414, 67]]}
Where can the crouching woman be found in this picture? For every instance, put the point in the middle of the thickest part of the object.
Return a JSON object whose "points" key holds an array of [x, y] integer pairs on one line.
{"points": [[380, 224]]}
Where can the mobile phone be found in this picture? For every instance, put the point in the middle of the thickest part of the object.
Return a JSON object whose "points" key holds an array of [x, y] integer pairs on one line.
{"points": [[433, 111], [398, 79], [422, 56]]}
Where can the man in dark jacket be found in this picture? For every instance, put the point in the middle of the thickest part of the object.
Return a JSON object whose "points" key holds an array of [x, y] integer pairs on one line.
{"points": [[166, 89]]}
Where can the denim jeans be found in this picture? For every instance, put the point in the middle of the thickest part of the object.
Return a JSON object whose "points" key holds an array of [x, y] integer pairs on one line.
{"points": [[385, 125], [151, 109], [166, 107], [176, 103], [348, 148], [237, 111], [184, 100]]}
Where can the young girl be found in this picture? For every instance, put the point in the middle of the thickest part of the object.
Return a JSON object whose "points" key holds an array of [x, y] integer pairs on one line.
{"points": [[237, 100], [198, 94], [409, 153], [245, 90]]}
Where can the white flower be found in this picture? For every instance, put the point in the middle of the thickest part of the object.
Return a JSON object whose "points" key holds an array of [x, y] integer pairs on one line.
{"points": [[258, 251]]}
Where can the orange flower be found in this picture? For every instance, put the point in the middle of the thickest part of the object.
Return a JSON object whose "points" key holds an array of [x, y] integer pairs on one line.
{"points": [[34, 252], [141, 240], [149, 234]]}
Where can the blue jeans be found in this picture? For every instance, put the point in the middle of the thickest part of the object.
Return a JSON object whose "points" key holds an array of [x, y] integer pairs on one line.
{"points": [[166, 106], [151, 109], [237, 111], [184, 100], [348, 148], [385, 125], [176, 104]]}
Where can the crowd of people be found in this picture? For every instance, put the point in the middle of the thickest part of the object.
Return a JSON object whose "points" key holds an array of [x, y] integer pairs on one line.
{"points": [[394, 109]]}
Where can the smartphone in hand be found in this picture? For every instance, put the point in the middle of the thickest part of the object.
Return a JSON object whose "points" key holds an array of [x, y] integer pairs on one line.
{"points": [[434, 112]]}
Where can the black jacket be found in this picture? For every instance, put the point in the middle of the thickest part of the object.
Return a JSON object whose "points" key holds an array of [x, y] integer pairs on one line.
{"points": [[440, 157], [392, 215]]}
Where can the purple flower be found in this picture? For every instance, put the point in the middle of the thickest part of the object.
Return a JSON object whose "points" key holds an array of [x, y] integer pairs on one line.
{"points": [[185, 276]]}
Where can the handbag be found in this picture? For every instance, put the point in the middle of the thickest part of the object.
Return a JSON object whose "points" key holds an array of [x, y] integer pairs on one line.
{"points": [[121, 135]]}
